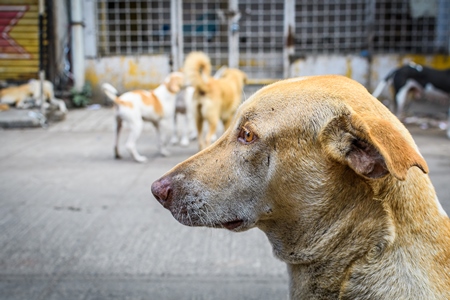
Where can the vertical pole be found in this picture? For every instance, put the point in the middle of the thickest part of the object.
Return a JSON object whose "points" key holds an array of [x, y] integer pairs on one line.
{"points": [[77, 45], [41, 55], [174, 34], [233, 34], [288, 35], [370, 25], [180, 33], [176, 31]]}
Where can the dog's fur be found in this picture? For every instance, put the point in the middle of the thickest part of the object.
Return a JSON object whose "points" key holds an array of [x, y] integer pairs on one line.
{"points": [[184, 112], [413, 78], [215, 99], [337, 184], [21, 96], [135, 107]]}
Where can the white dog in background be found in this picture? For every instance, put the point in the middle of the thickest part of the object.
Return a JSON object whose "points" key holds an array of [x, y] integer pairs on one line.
{"points": [[184, 123], [185, 114], [135, 107]]}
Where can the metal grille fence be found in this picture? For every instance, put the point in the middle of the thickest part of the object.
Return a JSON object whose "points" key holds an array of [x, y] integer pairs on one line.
{"points": [[261, 38], [127, 27], [132, 27], [382, 26], [204, 29], [401, 26], [328, 26]]}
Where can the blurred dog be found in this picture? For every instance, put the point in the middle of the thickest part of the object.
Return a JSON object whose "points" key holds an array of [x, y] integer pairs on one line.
{"points": [[215, 99], [24, 95], [420, 80], [184, 112], [135, 107]]}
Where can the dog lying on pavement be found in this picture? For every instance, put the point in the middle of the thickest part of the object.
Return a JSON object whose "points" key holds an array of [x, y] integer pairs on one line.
{"points": [[416, 78], [23, 95], [215, 98], [334, 180], [135, 107]]}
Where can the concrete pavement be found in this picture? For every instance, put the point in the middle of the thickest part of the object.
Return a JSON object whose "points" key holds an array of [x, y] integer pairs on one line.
{"points": [[77, 224]]}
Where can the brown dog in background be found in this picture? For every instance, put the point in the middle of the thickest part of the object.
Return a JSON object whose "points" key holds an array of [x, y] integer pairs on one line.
{"points": [[215, 99], [337, 184]]}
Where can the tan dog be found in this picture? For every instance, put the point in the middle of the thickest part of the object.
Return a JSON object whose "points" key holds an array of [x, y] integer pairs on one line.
{"points": [[135, 107], [337, 184], [19, 95], [215, 99]]}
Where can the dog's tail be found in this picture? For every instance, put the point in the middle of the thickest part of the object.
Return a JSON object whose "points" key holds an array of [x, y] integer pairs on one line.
{"points": [[387, 80], [197, 68], [110, 91]]}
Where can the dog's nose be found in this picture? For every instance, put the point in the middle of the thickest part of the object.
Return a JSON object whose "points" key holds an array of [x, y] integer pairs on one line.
{"points": [[161, 190]]}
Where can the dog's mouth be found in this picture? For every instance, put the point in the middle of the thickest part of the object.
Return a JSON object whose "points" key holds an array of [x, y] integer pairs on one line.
{"points": [[232, 225]]}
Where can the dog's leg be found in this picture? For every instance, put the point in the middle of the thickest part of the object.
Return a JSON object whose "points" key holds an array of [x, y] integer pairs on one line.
{"points": [[401, 97], [185, 131], [199, 125], [60, 103], [192, 128], [21, 103], [212, 127], [135, 131], [174, 139], [163, 128], [116, 138], [190, 114]]}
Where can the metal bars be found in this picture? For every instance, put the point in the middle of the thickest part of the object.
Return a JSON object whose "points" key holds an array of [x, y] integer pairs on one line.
{"points": [[402, 26], [361, 27], [327, 26], [205, 29], [261, 38], [127, 27], [382, 26]]}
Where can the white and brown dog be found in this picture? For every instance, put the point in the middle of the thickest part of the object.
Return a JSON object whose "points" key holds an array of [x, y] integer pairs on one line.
{"points": [[23, 95], [216, 98], [336, 183], [135, 107]]}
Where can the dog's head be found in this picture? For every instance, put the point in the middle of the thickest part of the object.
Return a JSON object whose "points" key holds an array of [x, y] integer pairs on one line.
{"points": [[295, 150], [174, 82]]}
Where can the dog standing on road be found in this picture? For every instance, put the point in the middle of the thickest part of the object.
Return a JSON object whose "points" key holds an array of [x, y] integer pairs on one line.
{"points": [[215, 99], [416, 78], [184, 112], [336, 183], [135, 107]]}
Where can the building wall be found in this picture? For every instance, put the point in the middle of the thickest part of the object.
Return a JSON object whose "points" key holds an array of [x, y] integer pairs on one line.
{"points": [[126, 72]]}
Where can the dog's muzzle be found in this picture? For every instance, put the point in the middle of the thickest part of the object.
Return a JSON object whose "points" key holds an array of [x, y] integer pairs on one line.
{"points": [[162, 191]]}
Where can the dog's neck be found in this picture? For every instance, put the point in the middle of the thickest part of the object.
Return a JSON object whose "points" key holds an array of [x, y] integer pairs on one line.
{"points": [[167, 99], [326, 255]]}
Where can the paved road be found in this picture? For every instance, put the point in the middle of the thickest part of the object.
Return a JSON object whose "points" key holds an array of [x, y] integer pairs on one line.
{"points": [[76, 224]]}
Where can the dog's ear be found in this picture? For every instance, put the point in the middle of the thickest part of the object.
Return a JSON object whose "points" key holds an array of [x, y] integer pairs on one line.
{"points": [[372, 150]]}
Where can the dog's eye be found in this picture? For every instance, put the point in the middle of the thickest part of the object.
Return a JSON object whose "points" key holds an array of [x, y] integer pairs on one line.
{"points": [[246, 136]]}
